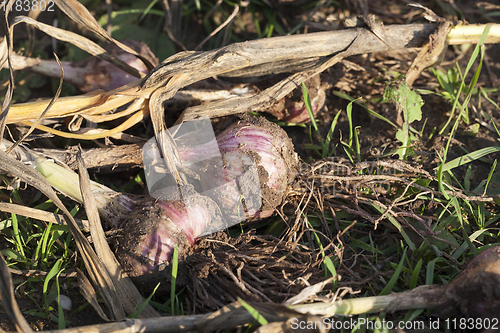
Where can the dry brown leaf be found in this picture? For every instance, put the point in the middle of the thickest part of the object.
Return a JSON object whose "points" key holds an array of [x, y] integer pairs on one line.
{"points": [[99, 239], [269, 96], [309, 292], [107, 159], [306, 54], [123, 291], [78, 13], [10, 87], [431, 53], [39, 215], [80, 42], [3, 51], [42, 115], [88, 292]]}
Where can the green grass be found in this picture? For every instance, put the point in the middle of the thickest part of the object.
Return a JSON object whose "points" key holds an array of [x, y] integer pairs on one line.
{"points": [[323, 149], [140, 307], [328, 264], [173, 296], [471, 227], [41, 247], [255, 314], [353, 153]]}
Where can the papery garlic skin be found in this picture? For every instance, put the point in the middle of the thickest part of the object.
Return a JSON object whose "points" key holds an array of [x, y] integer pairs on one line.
{"points": [[150, 235], [248, 143]]}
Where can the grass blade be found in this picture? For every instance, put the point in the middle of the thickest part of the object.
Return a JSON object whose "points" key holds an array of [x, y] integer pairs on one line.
{"points": [[329, 136], [260, 319], [307, 102], [175, 265], [52, 273], [415, 274], [475, 155], [144, 304], [462, 85], [395, 276]]}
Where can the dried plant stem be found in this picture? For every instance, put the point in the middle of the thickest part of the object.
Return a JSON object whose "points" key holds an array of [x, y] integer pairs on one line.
{"points": [[40, 215], [254, 58], [234, 315], [220, 27], [423, 297], [464, 34]]}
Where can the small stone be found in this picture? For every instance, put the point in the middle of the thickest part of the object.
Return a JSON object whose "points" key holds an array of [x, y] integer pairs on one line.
{"points": [[65, 302]]}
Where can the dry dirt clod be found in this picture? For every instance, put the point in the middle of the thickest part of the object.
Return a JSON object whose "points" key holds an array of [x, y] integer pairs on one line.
{"points": [[475, 291]]}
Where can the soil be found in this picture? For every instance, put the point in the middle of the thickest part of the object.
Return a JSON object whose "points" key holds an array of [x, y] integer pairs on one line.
{"points": [[81, 313], [474, 292]]}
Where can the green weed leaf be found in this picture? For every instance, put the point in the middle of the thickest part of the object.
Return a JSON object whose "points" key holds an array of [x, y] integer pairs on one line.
{"points": [[406, 100], [409, 104]]}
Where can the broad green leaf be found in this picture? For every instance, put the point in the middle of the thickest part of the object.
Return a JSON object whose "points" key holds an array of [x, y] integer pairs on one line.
{"points": [[409, 105], [408, 101]]}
